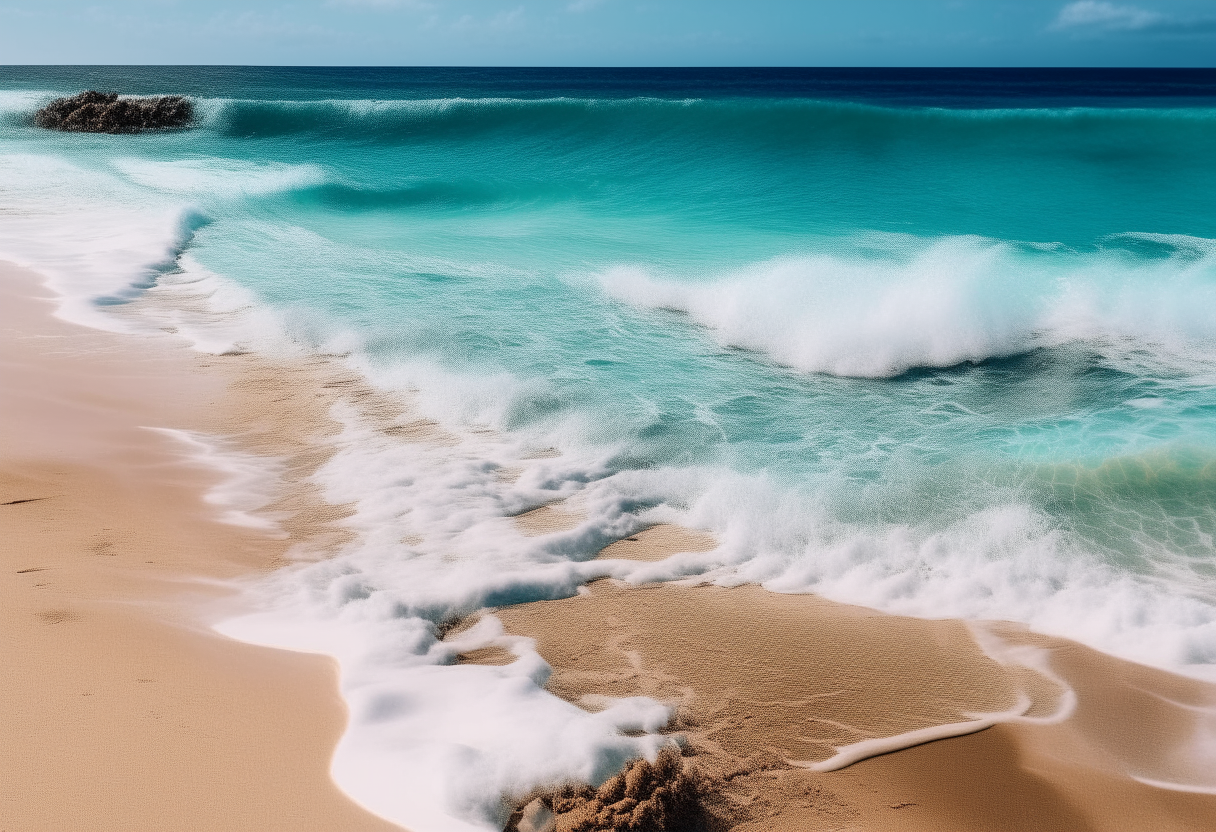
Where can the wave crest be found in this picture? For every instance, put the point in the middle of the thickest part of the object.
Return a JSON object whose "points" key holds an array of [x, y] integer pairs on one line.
{"points": [[892, 305], [770, 122]]}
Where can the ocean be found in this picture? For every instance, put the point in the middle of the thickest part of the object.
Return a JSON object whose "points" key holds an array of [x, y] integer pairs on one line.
{"points": [[937, 342]]}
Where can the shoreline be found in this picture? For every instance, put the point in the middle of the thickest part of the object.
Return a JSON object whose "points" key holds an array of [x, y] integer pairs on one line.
{"points": [[137, 561], [123, 710], [766, 684]]}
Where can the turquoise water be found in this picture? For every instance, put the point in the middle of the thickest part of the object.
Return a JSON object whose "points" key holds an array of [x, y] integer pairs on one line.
{"points": [[900, 303], [937, 342]]}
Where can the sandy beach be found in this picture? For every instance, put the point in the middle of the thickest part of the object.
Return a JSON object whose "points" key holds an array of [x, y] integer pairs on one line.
{"points": [[764, 681], [122, 710]]}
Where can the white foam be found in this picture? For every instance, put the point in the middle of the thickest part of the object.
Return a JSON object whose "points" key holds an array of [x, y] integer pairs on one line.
{"points": [[1168, 785], [900, 303], [1189, 766], [99, 238], [17, 104], [215, 315], [847, 755], [1030, 657], [431, 745], [222, 178], [434, 541], [1008, 562], [247, 483], [436, 746], [89, 234]]}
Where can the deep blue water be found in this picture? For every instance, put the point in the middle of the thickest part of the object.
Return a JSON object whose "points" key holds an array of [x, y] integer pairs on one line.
{"points": [[923, 87]]}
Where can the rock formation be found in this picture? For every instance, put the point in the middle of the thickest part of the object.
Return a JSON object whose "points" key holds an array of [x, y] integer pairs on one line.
{"points": [[105, 112], [645, 797]]}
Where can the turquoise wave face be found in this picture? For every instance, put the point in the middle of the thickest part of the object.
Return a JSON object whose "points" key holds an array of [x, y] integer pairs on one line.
{"points": [[767, 172], [898, 315]]}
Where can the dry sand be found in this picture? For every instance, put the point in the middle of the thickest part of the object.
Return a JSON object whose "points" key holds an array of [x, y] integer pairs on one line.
{"points": [[122, 711]]}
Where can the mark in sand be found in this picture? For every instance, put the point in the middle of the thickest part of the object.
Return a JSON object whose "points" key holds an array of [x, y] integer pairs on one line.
{"points": [[58, 616]]}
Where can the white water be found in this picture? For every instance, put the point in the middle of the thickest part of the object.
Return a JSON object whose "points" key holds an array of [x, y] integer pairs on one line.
{"points": [[905, 304]]}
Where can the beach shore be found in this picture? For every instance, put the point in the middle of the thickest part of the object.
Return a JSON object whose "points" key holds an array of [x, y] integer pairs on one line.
{"points": [[124, 711], [764, 684], [121, 709]]}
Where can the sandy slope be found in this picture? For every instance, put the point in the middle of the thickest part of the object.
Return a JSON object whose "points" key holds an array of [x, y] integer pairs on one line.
{"points": [[119, 710]]}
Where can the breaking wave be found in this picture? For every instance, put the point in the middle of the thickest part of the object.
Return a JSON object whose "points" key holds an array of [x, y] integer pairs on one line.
{"points": [[900, 304]]}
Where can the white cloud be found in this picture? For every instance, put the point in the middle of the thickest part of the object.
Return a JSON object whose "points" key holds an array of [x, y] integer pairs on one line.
{"points": [[1098, 14], [1097, 17], [584, 5]]}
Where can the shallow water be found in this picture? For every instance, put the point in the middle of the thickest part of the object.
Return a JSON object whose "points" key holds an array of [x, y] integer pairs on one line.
{"points": [[939, 343]]}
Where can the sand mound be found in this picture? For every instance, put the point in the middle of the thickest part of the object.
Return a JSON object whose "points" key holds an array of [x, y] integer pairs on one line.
{"points": [[645, 797]]}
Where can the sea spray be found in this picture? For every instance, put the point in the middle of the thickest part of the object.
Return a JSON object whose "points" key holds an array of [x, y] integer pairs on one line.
{"points": [[881, 305]]}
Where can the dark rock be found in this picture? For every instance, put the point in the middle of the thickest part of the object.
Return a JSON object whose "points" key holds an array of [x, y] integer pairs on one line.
{"points": [[661, 797], [105, 112]]}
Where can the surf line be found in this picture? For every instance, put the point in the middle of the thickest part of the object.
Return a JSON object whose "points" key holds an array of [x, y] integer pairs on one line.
{"points": [[855, 752], [249, 482], [1174, 787], [1028, 657]]}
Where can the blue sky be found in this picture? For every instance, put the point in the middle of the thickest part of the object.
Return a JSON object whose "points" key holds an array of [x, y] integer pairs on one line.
{"points": [[614, 32]]}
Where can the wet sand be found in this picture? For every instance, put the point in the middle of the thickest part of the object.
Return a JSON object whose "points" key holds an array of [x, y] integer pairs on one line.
{"points": [[765, 684]]}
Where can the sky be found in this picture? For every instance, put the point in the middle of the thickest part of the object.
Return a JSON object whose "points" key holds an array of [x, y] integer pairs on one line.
{"points": [[612, 32]]}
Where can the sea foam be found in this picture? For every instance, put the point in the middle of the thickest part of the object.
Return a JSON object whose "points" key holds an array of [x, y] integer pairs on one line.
{"points": [[94, 239], [895, 303], [446, 747], [225, 178]]}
